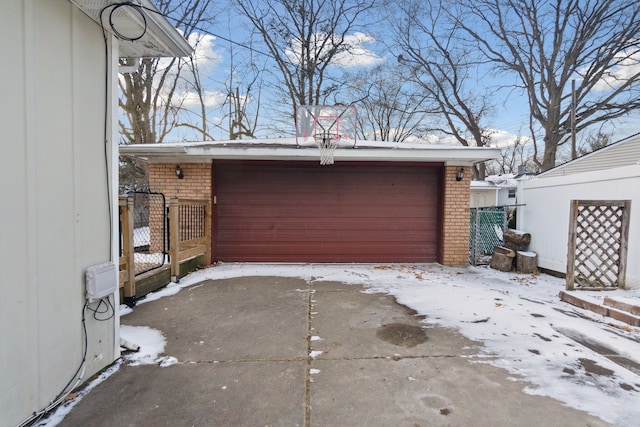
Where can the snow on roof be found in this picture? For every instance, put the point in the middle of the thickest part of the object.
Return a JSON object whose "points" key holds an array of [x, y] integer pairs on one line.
{"points": [[504, 180], [497, 182], [293, 149], [484, 185]]}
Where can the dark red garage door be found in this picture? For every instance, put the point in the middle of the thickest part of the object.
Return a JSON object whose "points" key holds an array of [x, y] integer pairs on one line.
{"points": [[347, 212]]}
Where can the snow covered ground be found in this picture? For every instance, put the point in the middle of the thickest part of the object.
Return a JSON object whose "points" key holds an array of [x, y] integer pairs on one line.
{"points": [[519, 319]]}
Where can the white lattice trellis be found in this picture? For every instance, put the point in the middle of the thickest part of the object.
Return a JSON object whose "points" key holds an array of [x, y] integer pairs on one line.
{"points": [[598, 234]]}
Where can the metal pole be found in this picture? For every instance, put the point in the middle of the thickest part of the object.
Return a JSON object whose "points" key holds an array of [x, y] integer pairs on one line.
{"points": [[573, 119]]}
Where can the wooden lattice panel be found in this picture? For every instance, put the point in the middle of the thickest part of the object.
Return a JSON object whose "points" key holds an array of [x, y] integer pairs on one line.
{"points": [[598, 233]]}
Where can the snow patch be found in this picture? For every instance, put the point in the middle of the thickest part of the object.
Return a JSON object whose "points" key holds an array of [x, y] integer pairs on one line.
{"points": [[151, 342]]}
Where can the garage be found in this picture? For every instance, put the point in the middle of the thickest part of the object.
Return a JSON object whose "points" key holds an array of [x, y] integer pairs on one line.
{"points": [[296, 211], [271, 201]]}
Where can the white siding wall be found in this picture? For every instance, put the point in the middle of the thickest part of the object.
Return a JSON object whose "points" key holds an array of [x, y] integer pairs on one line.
{"points": [[504, 199], [483, 197], [546, 212], [622, 153], [54, 215]]}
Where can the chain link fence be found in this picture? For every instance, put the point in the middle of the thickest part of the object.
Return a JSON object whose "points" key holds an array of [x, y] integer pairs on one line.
{"points": [[487, 227], [149, 230]]}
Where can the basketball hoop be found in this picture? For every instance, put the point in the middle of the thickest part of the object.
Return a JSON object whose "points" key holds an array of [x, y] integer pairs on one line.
{"points": [[327, 143], [326, 126]]}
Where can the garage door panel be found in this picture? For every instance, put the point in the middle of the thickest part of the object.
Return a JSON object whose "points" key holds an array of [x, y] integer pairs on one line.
{"points": [[356, 202], [294, 215], [356, 198], [377, 225], [324, 253], [344, 213], [288, 236]]}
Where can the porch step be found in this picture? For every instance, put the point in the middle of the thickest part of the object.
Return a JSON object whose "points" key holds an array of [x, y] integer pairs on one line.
{"points": [[622, 311]]}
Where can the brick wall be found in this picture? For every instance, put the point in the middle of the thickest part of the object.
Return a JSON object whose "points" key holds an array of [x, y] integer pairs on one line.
{"points": [[455, 227], [196, 184]]}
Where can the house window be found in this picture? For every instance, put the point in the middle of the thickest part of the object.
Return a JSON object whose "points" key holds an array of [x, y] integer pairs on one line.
{"points": [[512, 193]]}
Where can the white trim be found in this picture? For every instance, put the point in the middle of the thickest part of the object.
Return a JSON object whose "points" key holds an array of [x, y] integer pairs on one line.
{"points": [[112, 149], [160, 38], [286, 149]]}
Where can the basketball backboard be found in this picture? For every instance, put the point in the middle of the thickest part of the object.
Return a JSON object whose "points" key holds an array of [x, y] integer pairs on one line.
{"points": [[318, 123]]}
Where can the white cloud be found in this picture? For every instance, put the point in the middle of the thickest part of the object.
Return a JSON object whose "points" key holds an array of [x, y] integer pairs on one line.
{"points": [[504, 139], [205, 53], [205, 58], [211, 99], [628, 66], [499, 139], [357, 55], [354, 54]]}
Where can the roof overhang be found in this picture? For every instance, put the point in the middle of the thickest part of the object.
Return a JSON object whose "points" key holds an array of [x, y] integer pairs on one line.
{"points": [[160, 38], [287, 149]]}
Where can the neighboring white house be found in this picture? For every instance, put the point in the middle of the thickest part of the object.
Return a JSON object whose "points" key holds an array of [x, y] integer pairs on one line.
{"points": [[611, 173], [58, 125], [495, 190]]}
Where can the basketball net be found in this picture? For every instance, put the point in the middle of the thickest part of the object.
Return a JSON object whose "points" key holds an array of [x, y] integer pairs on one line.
{"points": [[327, 144]]}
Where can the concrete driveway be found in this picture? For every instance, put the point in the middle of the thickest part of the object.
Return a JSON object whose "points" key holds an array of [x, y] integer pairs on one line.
{"points": [[273, 351]]}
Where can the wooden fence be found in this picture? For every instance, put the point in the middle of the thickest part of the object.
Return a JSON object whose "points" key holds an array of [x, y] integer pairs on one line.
{"points": [[127, 277], [189, 236], [189, 232], [598, 242]]}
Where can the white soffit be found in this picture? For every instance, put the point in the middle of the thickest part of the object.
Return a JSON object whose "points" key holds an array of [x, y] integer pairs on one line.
{"points": [[286, 149], [160, 39]]}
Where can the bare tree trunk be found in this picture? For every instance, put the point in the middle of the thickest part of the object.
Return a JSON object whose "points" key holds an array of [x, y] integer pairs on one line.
{"points": [[547, 44], [441, 67], [305, 37]]}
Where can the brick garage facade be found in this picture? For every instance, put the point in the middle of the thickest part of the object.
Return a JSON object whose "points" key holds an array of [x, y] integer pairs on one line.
{"points": [[195, 185], [454, 246], [455, 219]]}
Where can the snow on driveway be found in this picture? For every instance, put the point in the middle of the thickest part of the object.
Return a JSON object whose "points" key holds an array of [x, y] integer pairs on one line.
{"points": [[519, 319]]}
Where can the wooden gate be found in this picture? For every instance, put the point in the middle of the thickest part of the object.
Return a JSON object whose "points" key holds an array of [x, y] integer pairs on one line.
{"points": [[598, 240]]}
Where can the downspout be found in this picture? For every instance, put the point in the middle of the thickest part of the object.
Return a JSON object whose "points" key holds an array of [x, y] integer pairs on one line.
{"points": [[111, 140]]}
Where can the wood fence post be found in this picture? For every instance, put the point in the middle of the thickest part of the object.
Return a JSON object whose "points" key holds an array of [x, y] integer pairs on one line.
{"points": [[571, 251], [174, 238], [128, 249], [624, 244], [207, 232]]}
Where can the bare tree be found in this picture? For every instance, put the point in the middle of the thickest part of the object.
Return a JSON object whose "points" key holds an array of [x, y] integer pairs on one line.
{"points": [[153, 97], [511, 158], [587, 142], [594, 141], [387, 105], [304, 38], [244, 88], [547, 44], [429, 46], [240, 124]]}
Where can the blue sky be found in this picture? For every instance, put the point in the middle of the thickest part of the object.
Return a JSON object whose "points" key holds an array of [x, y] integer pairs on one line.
{"points": [[215, 59]]}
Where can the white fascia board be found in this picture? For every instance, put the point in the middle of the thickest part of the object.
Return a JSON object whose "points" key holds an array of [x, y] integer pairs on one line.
{"points": [[161, 38], [452, 156], [167, 34]]}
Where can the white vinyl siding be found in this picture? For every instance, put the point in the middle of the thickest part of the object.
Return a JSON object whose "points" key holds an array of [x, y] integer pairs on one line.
{"points": [[623, 153]]}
